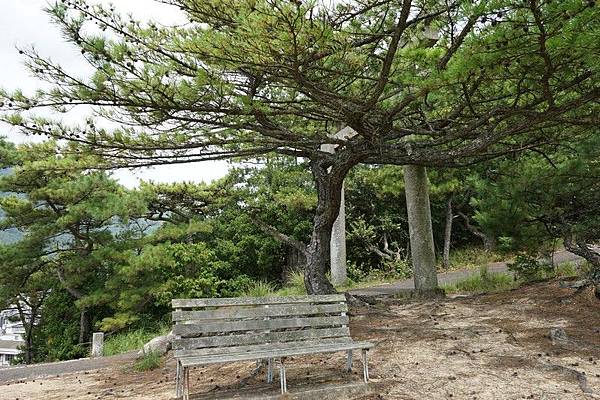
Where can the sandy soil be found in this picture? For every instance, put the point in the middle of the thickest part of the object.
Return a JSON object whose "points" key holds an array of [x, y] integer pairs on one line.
{"points": [[493, 346]]}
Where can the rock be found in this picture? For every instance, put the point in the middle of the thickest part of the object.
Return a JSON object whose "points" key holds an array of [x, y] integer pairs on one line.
{"points": [[558, 335], [574, 285], [160, 345]]}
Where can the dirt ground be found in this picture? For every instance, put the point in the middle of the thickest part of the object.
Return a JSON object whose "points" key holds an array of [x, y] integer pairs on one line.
{"points": [[494, 346]]}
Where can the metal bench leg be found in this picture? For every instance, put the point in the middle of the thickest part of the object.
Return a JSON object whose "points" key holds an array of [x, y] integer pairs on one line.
{"points": [[270, 370], [282, 376], [178, 381], [365, 366], [186, 381], [349, 361]]}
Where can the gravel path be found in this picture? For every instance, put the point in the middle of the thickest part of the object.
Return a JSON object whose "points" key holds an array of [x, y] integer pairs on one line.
{"points": [[560, 257], [63, 367]]}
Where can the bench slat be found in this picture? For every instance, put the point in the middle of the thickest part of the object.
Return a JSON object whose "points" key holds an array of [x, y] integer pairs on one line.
{"points": [[231, 301], [188, 330], [278, 310], [275, 353], [261, 347], [257, 338]]}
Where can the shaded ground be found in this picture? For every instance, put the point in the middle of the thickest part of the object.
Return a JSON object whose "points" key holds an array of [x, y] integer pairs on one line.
{"points": [[480, 347]]}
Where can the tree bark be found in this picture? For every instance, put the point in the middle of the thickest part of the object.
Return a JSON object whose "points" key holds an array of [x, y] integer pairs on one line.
{"points": [[84, 325], [489, 242], [448, 232], [329, 191], [28, 326], [420, 229], [83, 313]]}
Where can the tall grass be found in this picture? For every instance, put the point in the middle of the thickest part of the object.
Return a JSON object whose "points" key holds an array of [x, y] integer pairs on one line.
{"points": [[148, 362], [259, 289], [473, 257], [484, 282], [135, 339], [294, 285]]}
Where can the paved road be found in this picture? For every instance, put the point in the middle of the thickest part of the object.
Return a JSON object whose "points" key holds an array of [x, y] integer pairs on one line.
{"points": [[63, 367], [444, 278]]}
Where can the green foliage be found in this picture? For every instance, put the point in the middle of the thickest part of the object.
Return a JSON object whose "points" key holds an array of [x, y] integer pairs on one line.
{"points": [[133, 339], [259, 289], [148, 362], [484, 282], [528, 268], [294, 285], [473, 257]]}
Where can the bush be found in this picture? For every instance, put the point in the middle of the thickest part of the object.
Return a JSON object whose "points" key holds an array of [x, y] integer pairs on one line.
{"points": [[148, 362], [528, 268]]}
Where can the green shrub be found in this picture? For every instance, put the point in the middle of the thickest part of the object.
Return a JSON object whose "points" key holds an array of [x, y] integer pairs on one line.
{"points": [[132, 340], [148, 362], [528, 268], [484, 282], [566, 270]]}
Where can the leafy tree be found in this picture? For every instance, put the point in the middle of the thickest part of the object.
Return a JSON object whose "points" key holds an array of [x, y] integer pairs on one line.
{"points": [[545, 196], [422, 82], [74, 227]]}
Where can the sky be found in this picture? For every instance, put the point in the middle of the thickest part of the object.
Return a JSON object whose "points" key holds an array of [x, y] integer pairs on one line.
{"points": [[24, 23]]}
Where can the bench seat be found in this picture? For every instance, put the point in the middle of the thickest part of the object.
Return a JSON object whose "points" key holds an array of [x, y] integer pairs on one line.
{"points": [[277, 351]]}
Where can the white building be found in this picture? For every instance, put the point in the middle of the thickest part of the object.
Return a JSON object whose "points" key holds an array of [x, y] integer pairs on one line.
{"points": [[11, 336]]}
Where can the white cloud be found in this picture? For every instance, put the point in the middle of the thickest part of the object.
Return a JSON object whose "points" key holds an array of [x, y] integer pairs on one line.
{"points": [[24, 23]]}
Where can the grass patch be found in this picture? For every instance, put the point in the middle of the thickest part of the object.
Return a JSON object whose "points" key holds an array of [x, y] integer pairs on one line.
{"points": [[484, 282], [294, 286], [471, 258], [132, 340], [148, 362], [259, 289]]}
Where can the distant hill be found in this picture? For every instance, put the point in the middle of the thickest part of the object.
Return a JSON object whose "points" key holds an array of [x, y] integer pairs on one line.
{"points": [[11, 235]]}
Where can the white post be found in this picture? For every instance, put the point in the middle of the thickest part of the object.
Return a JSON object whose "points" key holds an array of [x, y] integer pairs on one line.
{"points": [[339, 275], [97, 344]]}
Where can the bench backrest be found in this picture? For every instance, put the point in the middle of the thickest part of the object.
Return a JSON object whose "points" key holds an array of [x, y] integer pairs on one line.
{"points": [[216, 326]]}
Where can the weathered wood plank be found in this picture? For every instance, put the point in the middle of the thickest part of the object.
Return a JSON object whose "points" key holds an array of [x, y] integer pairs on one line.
{"points": [[257, 338], [276, 310], [189, 330], [231, 301], [261, 347], [265, 354]]}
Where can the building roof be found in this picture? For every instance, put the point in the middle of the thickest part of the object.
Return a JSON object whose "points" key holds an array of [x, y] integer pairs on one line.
{"points": [[11, 344]]}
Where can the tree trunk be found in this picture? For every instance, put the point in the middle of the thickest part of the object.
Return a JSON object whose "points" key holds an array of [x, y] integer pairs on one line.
{"points": [[339, 274], [448, 232], [489, 242], [84, 325], [28, 326], [329, 191], [420, 229]]}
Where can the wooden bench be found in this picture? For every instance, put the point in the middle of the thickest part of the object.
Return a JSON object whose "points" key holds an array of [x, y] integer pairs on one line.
{"points": [[260, 328]]}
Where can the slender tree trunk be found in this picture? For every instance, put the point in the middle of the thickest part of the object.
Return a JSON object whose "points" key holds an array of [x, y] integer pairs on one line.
{"points": [[28, 326], [420, 229], [84, 325], [448, 232], [318, 261], [489, 242]]}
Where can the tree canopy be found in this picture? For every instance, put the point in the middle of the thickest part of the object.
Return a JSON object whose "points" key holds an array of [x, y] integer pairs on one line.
{"points": [[422, 82]]}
